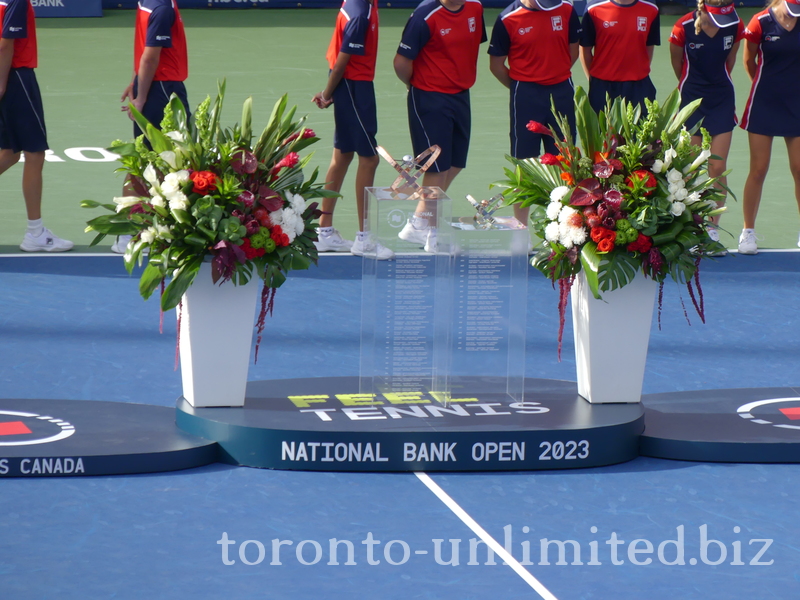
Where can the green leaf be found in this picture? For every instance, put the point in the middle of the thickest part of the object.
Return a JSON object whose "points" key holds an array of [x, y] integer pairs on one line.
{"points": [[590, 260], [180, 283], [619, 269], [247, 119], [149, 281]]}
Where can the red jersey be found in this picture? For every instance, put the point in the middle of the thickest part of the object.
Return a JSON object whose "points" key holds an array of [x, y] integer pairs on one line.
{"points": [[356, 33], [621, 35], [159, 24], [19, 24], [444, 46], [536, 42]]}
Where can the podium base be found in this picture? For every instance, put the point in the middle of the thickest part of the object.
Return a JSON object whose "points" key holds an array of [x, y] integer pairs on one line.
{"points": [[324, 424]]}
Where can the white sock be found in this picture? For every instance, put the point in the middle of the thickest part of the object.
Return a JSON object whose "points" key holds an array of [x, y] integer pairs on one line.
{"points": [[326, 231], [419, 222], [35, 227], [361, 236]]}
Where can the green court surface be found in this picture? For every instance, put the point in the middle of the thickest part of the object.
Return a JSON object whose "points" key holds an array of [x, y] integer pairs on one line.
{"points": [[84, 64]]}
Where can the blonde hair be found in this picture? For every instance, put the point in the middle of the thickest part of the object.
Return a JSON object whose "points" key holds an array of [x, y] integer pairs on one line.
{"points": [[701, 8], [773, 3]]}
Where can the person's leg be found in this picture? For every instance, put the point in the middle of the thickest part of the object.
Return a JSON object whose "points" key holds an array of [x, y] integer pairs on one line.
{"points": [[32, 184], [340, 162], [720, 146], [8, 159], [365, 177], [793, 148], [760, 154]]}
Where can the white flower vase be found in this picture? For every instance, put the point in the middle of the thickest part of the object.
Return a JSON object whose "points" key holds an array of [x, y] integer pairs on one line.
{"points": [[611, 339], [216, 334]]}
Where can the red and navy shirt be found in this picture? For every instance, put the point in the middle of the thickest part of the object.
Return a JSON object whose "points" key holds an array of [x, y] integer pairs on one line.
{"points": [[356, 33], [444, 46], [705, 57], [778, 49], [159, 24], [621, 35], [19, 24], [536, 42]]}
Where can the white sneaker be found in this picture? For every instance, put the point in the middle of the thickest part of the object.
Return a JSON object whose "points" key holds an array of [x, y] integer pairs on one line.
{"points": [[371, 249], [430, 240], [121, 244], [798, 242], [46, 241], [409, 233], [748, 242], [333, 242]]}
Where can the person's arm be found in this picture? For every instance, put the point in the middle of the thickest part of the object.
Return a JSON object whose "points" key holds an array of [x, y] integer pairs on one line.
{"points": [[574, 50], [676, 57], [147, 71], [324, 98], [750, 53], [6, 56], [650, 50], [730, 62], [403, 68], [587, 56], [497, 65]]}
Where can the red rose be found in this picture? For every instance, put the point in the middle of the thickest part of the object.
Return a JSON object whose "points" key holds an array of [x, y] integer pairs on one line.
{"points": [[642, 244], [598, 234], [204, 181], [646, 177], [549, 159], [605, 245]]}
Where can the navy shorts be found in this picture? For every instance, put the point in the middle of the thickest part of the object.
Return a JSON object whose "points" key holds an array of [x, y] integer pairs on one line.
{"points": [[21, 114], [356, 117], [531, 102], [157, 99], [435, 118], [634, 92]]}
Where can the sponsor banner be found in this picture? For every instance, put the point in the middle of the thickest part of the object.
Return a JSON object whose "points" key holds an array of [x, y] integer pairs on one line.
{"points": [[112, 4], [68, 8]]}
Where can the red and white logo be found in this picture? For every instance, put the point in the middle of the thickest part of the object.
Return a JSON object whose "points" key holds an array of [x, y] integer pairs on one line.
{"points": [[641, 23], [472, 25], [29, 429], [558, 24], [783, 413]]}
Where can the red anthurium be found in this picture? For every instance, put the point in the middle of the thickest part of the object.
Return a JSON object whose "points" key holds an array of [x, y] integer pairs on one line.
{"points": [[549, 159], [586, 192]]}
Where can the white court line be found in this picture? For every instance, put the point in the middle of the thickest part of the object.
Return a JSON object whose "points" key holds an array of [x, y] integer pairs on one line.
{"points": [[489, 540]]}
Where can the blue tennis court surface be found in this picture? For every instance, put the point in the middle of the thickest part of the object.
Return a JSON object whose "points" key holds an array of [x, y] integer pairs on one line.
{"points": [[75, 328]]}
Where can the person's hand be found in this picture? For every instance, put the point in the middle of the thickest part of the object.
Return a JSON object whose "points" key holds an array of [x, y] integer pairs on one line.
{"points": [[127, 96], [320, 100]]}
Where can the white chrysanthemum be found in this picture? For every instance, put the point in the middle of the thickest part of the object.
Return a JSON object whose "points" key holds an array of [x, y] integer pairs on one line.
{"points": [[276, 217], [178, 201], [566, 213], [551, 232], [658, 166], [577, 235], [169, 157], [677, 208], [150, 175], [297, 201], [565, 235], [124, 202], [674, 176], [553, 209], [292, 223], [682, 194], [558, 193]]}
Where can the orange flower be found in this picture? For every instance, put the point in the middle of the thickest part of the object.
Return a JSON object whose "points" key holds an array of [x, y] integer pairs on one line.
{"points": [[567, 177], [600, 156]]}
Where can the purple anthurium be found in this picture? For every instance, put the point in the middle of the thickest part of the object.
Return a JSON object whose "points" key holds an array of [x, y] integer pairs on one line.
{"points": [[269, 199], [586, 192], [614, 198], [247, 198], [244, 162]]}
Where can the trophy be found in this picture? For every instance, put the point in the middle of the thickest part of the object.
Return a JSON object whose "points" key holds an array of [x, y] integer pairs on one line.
{"points": [[410, 170], [485, 209]]}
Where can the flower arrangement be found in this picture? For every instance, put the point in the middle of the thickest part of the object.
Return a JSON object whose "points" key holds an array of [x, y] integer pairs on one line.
{"points": [[203, 192], [633, 197]]}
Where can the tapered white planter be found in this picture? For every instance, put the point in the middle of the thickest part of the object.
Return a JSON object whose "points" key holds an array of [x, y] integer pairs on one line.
{"points": [[611, 339], [216, 333]]}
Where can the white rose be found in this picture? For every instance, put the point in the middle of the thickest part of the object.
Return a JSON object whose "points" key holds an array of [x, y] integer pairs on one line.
{"points": [[674, 187], [558, 193], [674, 176], [681, 194], [157, 199], [677, 208], [178, 201], [150, 174], [170, 186], [163, 231], [182, 175], [148, 235], [658, 166], [553, 209]]}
